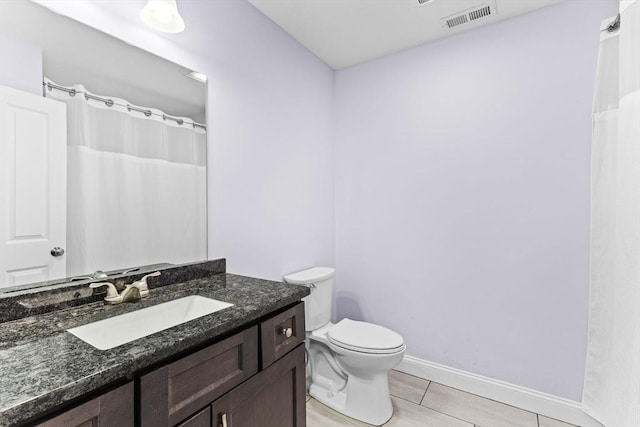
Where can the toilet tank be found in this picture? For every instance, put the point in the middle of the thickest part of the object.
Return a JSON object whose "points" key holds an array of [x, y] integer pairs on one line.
{"points": [[317, 306]]}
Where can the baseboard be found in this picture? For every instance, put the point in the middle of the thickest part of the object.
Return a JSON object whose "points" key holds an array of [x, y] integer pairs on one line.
{"points": [[531, 400]]}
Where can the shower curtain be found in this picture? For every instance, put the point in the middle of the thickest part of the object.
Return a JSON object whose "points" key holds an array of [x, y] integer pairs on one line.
{"points": [[136, 190], [612, 378]]}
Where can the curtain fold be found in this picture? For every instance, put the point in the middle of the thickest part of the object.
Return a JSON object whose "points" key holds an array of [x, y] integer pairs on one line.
{"points": [[136, 187], [612, 376]]}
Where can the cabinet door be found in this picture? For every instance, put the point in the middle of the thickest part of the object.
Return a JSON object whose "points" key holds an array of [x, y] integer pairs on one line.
{"points": [[276, 397], [201, 419], [112, 409]]}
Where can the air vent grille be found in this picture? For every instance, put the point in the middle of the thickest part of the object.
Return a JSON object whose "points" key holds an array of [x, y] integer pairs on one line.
{"points": [[468, 15], [457, 20], [479, 13]]}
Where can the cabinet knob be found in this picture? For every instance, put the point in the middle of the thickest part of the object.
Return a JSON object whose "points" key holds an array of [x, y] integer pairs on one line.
{"points": [[223, 420], [287, 332]]}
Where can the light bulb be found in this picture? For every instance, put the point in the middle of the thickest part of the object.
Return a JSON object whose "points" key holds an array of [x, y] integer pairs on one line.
{"points": [[163, 13]]}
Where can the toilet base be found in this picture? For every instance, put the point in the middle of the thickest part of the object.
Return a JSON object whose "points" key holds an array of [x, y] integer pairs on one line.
{"points": [[365, 399]]}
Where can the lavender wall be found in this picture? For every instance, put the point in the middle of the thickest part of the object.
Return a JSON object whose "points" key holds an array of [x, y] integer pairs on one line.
{"points": [[269, 113], [462, 196], [20, 65]]}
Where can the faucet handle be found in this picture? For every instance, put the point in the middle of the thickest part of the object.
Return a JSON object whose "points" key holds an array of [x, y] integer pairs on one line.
{"points": [[154, 274], [142, 284], [112, 293]]}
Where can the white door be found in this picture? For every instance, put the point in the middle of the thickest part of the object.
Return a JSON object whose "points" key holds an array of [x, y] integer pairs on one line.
{"points": [[33, 188]]}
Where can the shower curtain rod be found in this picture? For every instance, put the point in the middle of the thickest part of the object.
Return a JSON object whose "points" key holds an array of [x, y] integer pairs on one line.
{"points": [[110, 103], [614, 26]]}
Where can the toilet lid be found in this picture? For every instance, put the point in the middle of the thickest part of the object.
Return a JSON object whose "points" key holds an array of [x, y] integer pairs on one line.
{"points": [[364, 337]]}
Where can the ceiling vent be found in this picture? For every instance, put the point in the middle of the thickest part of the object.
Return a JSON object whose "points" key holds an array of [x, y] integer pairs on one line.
{"points": [[469, 15], [456, 20]]}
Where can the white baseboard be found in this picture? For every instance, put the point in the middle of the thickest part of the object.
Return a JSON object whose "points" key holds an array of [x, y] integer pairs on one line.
{"points": [[514, 395]]}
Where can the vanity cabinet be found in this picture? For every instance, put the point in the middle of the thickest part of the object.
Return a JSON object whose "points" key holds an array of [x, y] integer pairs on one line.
{"points": [[252, 378], [255, 378], [115, 408]]}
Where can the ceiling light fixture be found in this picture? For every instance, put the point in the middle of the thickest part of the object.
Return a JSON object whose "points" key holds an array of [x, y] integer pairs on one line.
{"points": [[162, 15]]}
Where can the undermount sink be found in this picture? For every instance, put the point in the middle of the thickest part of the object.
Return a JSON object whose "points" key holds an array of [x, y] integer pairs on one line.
{"points": [[118, 330]]}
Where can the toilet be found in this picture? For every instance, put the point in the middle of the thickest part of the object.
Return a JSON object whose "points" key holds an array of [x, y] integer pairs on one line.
{"points": [[347, 362]]}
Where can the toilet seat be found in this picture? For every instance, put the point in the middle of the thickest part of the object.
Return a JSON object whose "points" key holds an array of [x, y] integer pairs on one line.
{"points": [[365, 337]]}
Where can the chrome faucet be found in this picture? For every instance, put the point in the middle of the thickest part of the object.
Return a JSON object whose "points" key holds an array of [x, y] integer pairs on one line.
{"points": [[131, 293], [98, 274]]}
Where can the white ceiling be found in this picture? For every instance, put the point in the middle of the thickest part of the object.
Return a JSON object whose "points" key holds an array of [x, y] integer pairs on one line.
{"points": [[347, 32], [74, 53]]}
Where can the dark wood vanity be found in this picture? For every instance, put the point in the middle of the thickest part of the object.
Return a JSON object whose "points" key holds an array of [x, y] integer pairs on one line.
{"points": [[252, 378]]}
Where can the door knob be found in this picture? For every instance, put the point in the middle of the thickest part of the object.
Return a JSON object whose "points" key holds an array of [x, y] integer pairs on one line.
{"points": [[57, 251]]}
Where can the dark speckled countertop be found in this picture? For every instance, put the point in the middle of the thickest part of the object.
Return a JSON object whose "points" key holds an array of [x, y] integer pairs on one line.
{"points": [[43, 367]]}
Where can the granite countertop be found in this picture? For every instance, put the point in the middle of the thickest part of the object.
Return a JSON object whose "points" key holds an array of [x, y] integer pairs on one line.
{"points": [[43, 367]]}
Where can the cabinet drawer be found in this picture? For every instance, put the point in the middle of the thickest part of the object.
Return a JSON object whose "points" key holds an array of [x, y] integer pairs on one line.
{"points": [[115, 408], [282, 333], [172, 393]]}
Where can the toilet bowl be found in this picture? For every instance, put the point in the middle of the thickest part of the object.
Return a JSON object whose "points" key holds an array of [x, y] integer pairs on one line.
{"points": [[357, 385], [347, 361]]}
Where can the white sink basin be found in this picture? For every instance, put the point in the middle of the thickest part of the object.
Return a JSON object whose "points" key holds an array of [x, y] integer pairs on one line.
{"points": [[118, 330]]}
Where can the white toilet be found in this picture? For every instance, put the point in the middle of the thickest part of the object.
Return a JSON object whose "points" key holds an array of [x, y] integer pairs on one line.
{"points": [[348, 361]]}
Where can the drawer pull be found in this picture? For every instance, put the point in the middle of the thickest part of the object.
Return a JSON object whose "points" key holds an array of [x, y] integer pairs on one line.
{"points": [[287, 332], [223, 420]]}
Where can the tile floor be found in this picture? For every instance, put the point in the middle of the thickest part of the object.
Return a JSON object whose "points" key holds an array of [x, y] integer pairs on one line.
{"points": [[419, 402]]}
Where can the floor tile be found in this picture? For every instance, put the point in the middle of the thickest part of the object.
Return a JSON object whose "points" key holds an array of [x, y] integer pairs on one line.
{"points": [[407, 386], [475, 409], [319, 415], [407, 414], [550, 422]]}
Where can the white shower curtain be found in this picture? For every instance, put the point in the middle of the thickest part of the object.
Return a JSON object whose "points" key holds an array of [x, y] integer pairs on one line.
{"points": [[136, 187], [612, 378]]}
